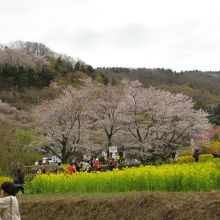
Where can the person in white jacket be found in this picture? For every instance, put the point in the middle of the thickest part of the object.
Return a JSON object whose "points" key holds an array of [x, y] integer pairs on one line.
{"points": [[9, 209]]}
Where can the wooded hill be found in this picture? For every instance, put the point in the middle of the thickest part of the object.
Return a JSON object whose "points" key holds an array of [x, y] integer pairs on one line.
{"points": [[27, 70], [196, 80]]}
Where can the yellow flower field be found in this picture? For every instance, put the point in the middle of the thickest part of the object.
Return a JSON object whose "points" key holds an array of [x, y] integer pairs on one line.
{"points": [[203, 176]]}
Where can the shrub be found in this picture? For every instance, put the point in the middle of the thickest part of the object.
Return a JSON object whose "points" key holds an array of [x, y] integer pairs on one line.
{"points": [[203, 146], [189, 159], [5, 179], [215, 146]]}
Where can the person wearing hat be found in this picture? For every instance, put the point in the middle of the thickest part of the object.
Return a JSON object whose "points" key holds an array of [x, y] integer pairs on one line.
{"points": [[9, 209]]}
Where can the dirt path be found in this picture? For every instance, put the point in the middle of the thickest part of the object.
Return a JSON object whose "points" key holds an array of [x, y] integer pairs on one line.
{"points": [[126, 206]]}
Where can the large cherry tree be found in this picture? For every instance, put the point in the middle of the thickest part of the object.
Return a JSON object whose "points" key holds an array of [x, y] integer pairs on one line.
{"points": [[159, 122]]}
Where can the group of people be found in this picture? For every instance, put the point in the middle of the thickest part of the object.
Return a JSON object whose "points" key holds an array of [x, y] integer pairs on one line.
{"points": [[85, 166], [94, 164]]}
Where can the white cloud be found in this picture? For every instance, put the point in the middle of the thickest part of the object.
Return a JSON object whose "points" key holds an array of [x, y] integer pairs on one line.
{"points": [[177, 34]]}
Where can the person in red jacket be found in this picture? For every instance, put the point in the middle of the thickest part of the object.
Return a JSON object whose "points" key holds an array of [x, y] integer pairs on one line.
{"points": [[97, 165], [71, 168]]}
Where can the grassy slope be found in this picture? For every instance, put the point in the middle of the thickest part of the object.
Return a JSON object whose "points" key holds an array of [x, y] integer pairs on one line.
{"points": [[147, 206]]}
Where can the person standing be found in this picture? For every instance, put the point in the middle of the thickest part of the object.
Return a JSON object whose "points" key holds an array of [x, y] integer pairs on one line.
{"points": [[19, 181], [9, 209], [174, 155], [196, 154], [97, 165], [71, 168], [59, 168]]}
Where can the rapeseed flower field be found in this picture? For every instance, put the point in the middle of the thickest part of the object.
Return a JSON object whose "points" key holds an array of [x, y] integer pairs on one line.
{"points": [[202, 176]]}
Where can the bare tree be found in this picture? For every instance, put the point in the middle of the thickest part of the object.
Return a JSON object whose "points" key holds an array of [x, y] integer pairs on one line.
{"points": [[32, 48]]}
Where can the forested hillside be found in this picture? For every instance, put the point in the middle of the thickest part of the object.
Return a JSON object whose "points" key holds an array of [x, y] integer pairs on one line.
{"points": [[27, 70]]}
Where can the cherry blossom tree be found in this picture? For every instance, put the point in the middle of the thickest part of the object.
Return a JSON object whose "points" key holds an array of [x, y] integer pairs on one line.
{"points": [[159, 122], [19, 57], [106, 113], [64, 123], [7, 112], [5, 108]]}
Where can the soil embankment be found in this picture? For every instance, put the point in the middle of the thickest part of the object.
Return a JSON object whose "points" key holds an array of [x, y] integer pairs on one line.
{"points": [[126, 206]]}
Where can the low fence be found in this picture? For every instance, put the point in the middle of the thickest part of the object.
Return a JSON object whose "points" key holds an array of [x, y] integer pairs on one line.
{"points": [[31, 171]]}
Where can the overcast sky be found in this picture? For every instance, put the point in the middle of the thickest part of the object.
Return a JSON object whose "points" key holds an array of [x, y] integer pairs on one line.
{"points": [[176, 34]]}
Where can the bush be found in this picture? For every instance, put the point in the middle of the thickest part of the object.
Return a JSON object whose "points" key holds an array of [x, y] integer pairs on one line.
{"points": [[187, 152], [5, 179], [189, 159], [203, 146], [215, 146]]}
